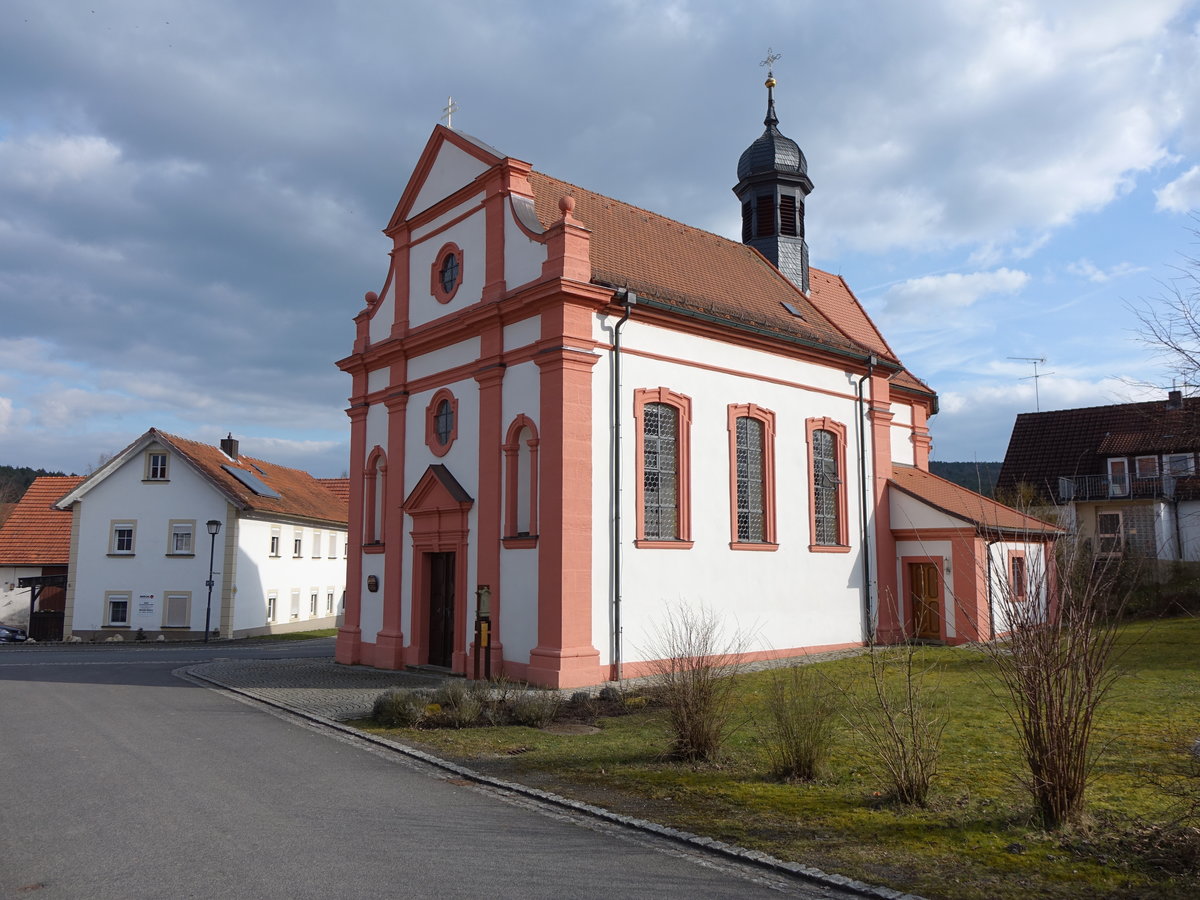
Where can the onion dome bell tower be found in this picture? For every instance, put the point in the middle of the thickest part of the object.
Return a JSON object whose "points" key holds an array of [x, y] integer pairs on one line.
{"points": [[772, 184]]}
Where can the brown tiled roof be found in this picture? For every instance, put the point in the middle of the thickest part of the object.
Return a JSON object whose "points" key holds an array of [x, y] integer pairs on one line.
{"points": [[693, 269], [339, 486], [1045, 446], [36, 534], [984, 513], [300, 494]]}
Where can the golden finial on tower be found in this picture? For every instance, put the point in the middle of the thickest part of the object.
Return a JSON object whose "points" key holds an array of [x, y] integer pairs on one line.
{"points": [[769, 62]]}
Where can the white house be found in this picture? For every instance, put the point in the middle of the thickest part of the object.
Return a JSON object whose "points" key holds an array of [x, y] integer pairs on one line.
{"points": [[142, 538], [1123, 475], [574, 413]]}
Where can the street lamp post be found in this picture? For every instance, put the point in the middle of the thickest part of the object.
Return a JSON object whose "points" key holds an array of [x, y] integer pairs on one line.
{"points": [[214, 528]]}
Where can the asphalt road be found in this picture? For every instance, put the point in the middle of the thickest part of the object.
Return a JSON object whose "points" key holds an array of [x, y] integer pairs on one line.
{"points": [[121, 780]]}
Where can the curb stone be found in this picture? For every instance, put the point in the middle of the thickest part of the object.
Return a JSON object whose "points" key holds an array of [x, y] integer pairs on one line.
{"points": [[694, 841]]}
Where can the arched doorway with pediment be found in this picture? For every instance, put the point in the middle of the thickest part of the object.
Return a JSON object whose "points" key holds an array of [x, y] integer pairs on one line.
{"points": [[439, 508]]}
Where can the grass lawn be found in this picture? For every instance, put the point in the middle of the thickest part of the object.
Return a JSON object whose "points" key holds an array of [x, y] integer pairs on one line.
{"points": [[977, 839]]}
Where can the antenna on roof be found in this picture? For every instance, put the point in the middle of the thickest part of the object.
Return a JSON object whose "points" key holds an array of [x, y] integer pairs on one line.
{"points": [[1037, 400], [448, 111]]}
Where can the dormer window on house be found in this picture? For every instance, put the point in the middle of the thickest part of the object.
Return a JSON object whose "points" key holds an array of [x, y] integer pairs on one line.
{"points": [[156, 465], [447, 273]]}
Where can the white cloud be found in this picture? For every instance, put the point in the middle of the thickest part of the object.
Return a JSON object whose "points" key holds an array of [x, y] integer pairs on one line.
{"points": [[1182, 194], [932, 294], [44, 161], [1085, 268]]}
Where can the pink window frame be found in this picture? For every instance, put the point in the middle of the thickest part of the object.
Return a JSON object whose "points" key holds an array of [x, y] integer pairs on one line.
{"points": [[512, 460], [374, 488], [767, 417], [683, 466], [838, 430], [431, 440], [1015, 595], [440, 294]]}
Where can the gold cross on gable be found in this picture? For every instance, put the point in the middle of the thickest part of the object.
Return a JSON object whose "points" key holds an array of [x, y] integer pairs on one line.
{"points": [[772, 58], [448, 111]]}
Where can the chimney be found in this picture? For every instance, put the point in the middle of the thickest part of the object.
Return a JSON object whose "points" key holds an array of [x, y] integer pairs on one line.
{"points": [[229, 446], [1175, 400]]}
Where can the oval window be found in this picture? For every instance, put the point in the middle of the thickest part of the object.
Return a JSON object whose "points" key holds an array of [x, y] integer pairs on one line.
{"points": [[449, 272]]}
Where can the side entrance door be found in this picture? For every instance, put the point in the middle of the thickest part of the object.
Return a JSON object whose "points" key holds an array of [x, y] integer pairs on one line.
{"points": [[441, 608], [923, 582]]}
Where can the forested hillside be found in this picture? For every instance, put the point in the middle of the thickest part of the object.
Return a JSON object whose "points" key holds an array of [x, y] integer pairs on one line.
{"points": [[978, 476]]}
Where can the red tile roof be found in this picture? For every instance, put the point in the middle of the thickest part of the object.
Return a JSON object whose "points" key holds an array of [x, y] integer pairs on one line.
{"points": [[36, 534], [692, 269], [300, 494], [986, 514], [339, 486], [1045, 446]]}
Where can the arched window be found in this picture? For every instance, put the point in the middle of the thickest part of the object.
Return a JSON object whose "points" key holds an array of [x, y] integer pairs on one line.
{"points": [[752, 477], [374, 492], [663, 476], [441, 422], [827, 485], [521, 483]]}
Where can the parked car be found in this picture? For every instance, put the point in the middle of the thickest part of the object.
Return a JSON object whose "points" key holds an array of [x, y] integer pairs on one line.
{"points": [[10, 634]]}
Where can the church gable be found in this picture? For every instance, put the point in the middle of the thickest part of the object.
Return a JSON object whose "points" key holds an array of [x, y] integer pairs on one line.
{"points": [[449, 162]]}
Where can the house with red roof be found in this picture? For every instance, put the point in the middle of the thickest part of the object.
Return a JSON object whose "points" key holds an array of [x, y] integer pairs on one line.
{"points": [[35, 550], [1124, 474], [149, 527], [569, 414]]}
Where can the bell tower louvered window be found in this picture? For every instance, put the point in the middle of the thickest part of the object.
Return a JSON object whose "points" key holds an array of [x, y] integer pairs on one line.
{"points": [[765, 216], [787, 216]]}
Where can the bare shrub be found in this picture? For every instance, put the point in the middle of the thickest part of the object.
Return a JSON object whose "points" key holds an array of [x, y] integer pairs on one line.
{"points": [[803, 710], [900, 716], [1054, 663], [400, 708], [696, 667], [535, 709], [461, 703]]}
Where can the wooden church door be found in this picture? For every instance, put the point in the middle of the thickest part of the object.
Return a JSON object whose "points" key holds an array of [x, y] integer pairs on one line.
{"points": [[441, 608], [923, 582]]}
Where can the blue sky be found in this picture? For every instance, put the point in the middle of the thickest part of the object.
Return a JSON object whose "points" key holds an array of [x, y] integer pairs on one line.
{"points": [[191, 195]]}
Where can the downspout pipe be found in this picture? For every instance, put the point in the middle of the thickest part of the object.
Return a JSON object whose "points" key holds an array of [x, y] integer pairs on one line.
{"points": [[628, 299], [868, 607]]}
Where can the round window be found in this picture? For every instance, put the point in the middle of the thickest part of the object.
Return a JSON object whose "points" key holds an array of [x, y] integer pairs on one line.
{"points": [[448, 273], [443, 422]]}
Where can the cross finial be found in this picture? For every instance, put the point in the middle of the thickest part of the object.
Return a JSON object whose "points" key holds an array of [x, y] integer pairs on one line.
{"points": [[448, 112], [772, 58]]}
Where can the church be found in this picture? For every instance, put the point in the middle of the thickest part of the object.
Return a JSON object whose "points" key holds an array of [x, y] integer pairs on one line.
{"points": [[570, 416]]}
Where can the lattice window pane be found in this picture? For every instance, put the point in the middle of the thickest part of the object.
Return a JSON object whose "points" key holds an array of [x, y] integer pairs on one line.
{"points": [[826, 483], [660, 471], [750, 487]]}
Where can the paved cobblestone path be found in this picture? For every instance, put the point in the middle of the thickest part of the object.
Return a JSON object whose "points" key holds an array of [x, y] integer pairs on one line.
{"points": [[319, 687]]}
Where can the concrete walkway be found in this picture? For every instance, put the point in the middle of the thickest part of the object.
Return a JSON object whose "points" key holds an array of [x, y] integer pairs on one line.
{"points": [[329, 694]]}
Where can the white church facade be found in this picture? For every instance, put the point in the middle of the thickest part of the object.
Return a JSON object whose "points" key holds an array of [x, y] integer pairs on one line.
{"points": [[578, 414]]}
